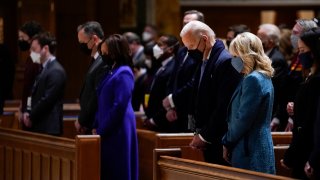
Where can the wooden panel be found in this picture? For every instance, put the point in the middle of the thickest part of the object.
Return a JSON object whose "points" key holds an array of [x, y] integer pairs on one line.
{"points": [[69, 130], [17, 164], [281, 138], [55, 168], [278, 155], [66, 169], [87, 166], [45, 167], [2, 162], [8, 163], [27, 164], [48, 157], [178, 168], [36, 166]]}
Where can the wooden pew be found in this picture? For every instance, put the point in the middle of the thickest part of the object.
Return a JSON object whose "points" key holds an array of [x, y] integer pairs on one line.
{"points": [[7, 120], [278, 155], [71, 109], [281, 138], [150, 140], [69, 130], [36, 156], [169, 165]]}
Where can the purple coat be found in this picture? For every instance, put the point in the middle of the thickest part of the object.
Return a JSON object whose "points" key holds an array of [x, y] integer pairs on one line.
{"points": [[115, 123]]}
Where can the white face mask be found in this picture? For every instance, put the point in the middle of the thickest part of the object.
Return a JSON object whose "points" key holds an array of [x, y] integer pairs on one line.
{"points": [[35, 57], [157, 51], [148, 63], [146, 36]]}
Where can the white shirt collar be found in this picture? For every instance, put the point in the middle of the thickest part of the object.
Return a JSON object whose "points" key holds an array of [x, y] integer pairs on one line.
{"points": [[51, 58], [165, 62], [140, 49], [96, 55]]}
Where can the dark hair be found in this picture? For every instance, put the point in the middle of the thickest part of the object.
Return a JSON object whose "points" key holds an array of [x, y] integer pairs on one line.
{"points": [[46, 39], [132, 37], [31, 28], [200, 16], [312, 39], [172, 41], [92, 28], [238, 29], [118, 50]]}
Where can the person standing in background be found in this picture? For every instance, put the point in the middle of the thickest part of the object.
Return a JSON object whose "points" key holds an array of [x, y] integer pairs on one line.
{"points": [[32, 68], [46, 113], [90, 35]]}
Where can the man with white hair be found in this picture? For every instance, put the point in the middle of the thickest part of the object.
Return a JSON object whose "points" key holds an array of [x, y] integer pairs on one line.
{"points": [[270, 37], [212, 87]]}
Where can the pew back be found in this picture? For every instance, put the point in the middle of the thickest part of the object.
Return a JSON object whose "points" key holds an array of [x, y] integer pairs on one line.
{"points": [[36, 156], [167, 166]]}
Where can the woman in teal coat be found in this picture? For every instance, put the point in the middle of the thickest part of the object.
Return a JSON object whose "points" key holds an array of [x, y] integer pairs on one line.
{"points": [[248, 142]]}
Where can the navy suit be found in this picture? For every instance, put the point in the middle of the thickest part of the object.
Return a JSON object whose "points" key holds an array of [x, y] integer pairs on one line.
{"points": [[183, 72], [158, 91], [210, 99], [47, 96]]}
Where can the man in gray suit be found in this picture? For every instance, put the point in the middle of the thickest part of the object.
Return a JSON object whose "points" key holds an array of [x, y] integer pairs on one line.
{"points": [[45, 115]]}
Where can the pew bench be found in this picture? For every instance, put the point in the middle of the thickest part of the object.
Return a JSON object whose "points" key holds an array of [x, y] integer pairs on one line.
{"points": [[150, 140], [168, 165], [36, 156]]}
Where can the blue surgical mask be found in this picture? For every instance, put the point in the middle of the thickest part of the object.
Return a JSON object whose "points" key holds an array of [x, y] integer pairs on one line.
{"points": [[294, 41], [306, 60], [237, 63]]}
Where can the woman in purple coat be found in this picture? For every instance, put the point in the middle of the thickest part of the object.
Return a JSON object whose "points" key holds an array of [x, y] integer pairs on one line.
{"points": [[115, 119]]}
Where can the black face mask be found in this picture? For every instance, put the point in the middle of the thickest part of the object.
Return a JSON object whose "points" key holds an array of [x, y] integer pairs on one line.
{"points": [[196, 54], [306, 60], [228, 42], [107, 59], [23, 45], [84, 48]]}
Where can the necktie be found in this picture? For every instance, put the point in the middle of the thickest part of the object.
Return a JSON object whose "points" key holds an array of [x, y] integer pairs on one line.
{"points": [[203, 67]]}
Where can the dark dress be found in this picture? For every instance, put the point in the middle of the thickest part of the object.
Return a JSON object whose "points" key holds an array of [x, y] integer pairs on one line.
{"points": [[115, 123], [306, 105]]}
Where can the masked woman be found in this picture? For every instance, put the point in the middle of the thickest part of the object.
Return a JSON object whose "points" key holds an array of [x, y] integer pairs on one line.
{"points": [[248, 143], [115, 120], [303, 155]]}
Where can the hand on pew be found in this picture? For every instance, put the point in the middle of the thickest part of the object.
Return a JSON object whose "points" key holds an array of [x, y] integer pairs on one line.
{"points": [[79, 128], [197, 143], [26, 120]]}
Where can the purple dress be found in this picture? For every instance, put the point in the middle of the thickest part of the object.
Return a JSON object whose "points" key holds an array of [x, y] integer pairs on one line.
{"points": [[115, 123]]}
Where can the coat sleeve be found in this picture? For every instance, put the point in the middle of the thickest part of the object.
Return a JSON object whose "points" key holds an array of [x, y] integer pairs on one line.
{"points": [[250, 101], [112, 117], [228, 80], [55, 83]]}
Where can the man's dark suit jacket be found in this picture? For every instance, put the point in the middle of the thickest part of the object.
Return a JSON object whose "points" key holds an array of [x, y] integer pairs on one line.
{"points": [[210, 100], [182, 74], [47, 96], [279, 83], [88, 95], [158, 91]]}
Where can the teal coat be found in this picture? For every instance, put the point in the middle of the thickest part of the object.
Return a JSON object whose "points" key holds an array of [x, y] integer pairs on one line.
{"points": [[249, 114]]}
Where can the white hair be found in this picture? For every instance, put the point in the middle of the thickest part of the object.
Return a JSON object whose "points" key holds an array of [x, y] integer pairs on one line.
{"points": [[197, 28], [272, 31]]}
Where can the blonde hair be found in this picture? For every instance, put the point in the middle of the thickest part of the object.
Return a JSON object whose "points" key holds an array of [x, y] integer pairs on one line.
{"points": [[249, 48]]}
